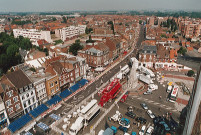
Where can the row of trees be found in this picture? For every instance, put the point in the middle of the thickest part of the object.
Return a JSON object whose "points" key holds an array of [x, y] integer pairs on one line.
{"points": [[21, 22], [9, 51], [170, 23]]}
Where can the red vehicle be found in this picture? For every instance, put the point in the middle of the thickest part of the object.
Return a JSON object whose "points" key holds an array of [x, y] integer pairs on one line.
{"points": [[110, 92], [124, 97]]}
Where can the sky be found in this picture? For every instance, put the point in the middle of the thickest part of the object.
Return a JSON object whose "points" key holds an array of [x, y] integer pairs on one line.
{"points": [[96, 5]]}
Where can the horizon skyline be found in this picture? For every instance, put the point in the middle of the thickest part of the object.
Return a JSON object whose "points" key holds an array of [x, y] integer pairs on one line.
{"points": [[98, 5]]}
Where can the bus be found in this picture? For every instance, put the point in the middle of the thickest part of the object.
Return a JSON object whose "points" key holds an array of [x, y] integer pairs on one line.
{"points": [[173, 94]]}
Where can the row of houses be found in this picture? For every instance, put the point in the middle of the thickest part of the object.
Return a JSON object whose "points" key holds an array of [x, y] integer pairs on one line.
{"points": [[28, 86]]}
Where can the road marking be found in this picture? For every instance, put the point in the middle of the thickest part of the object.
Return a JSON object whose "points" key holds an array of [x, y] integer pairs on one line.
{"points": [[156, 103], [150, 101], [146, 99]]}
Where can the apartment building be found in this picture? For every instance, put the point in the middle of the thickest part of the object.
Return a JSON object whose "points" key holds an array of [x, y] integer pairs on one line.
{"points": [[70, 32], [96, 55], [33, 34], [147, 56], [70, 69], [2, 28], [4, 120], [38, 79], [25, 89], [11, 99]]}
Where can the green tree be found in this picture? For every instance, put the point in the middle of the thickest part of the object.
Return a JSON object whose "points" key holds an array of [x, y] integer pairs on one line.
{"points": [[190, 73], [140, 21], [87, 30], [54, 19], [64, 19], [182, 51], [46, 51], [12, 50], [75, 47]]}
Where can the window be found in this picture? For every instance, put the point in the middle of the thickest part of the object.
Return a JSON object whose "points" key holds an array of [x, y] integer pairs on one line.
{"points": [[30, 86], [8, 103], [57, 88], [27, 95], [25, 105], [17, 106], [29, 102], [26, 88], [55, 82], [33, 100], [10, 93], [10, 110], [52, 90], [51, 84], [31, 92], [21, 90], [23, 97], [15, 99]]}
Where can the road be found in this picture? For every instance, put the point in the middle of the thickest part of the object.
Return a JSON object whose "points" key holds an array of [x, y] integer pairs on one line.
{"points": [[71, 102]]}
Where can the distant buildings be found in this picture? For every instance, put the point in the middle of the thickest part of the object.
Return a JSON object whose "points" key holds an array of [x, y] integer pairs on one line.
{"points": [[70, 32], [33, 34]]}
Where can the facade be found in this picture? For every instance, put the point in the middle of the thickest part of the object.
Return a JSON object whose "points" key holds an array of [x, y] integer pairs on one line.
{"points": [[11, 99], [147, 56], [96, 55], [2, 28], [70, 32], [4, 121], [33, 34], [115, 46], [52, 82], [25, 89], [193, 118], [38, 79], [70, 69]]}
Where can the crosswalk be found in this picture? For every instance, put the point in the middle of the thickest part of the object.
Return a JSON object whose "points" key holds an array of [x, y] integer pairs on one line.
{"points": [[155, 103]]}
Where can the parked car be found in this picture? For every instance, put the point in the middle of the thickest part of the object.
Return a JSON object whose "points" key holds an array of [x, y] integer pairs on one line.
{"points": [[141, 120], [149, 130], [150, 113], [130, 114], [147, 93], [124, 129], [142, 131], [144, 106], [133, 133], [130, 109], [165, 125]]}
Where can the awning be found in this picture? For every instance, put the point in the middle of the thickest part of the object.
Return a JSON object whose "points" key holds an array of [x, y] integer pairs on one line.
{"points": [[19, 123], [65, 93], [75, 87], [37, 111], [56, 99]]}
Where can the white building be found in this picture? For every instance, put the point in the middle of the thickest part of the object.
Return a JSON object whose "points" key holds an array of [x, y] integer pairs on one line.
{"points": [[70, 32], [38, 80], [1, 28], [33, 34], [4, 121]]}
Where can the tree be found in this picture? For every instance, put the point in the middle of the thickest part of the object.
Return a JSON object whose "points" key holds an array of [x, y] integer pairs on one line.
{"points": [[12, 50], [182, 51], [190, 73], [46, 51], [75, 47], [64, 19], [87, 30], [140, 21], [90, 40], [54, 19], [33, 69]]}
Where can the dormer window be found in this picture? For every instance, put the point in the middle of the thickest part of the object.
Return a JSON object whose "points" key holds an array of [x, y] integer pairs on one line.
{"points": [[30, 86], [26, 88], [21, 90]]}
